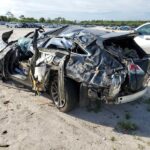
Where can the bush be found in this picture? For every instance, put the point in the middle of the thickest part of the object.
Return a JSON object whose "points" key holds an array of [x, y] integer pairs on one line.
{"points": [[127, 126]]}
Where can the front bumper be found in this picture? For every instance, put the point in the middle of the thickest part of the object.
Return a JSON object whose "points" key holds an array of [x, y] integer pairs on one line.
{"points": [[130, 98]]}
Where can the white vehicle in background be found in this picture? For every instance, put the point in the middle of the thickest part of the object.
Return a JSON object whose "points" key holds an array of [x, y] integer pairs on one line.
{"points": [[143, 39]]}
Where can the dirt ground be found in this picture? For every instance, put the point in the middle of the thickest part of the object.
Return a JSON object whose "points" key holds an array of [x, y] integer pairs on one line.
{"points": [[29, 122]]}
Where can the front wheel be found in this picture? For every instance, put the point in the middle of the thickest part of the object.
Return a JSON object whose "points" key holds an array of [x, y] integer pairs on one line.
{"points": [[71, 94]]}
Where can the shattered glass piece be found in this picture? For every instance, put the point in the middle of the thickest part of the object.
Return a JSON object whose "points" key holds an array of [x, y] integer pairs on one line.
{"points": [[25, 45]]}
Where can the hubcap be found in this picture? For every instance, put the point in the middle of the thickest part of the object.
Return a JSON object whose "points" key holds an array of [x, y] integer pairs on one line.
{"points": [[55, 95]]}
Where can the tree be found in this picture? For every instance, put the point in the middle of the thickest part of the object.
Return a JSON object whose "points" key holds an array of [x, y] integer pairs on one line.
{"points": [[49, 20], [22, 17], [42, 20], [9, 14], [3, 18]]}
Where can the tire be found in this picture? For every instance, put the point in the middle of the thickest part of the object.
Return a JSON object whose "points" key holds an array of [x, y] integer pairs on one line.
{"points": [[71, 94]]}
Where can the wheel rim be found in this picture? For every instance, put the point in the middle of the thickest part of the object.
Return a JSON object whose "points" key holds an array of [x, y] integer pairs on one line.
{"points": [[55, 95]]}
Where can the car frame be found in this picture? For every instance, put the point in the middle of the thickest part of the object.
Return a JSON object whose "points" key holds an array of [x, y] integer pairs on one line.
{"points": [[78, 65]]}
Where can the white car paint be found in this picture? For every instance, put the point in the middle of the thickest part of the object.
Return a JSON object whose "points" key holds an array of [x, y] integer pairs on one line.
{"points": [[143, 40]]}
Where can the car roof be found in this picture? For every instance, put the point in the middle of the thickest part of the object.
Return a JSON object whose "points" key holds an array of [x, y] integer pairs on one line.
{"points": [[142, 25], [104, 34], [74, 28], [99, 34]]}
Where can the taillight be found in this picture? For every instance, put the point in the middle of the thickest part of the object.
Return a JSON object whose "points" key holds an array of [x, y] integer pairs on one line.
{"points": [[133, 68]]}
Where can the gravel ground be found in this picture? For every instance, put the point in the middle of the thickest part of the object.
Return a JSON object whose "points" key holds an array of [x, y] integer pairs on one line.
{"points": [[29, 122]]}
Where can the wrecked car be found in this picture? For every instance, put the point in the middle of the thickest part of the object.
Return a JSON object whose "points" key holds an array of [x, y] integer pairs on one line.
{"points": [[77, 65]]}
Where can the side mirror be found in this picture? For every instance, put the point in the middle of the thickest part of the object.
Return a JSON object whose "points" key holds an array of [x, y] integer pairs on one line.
{"points": [[6, 36]]}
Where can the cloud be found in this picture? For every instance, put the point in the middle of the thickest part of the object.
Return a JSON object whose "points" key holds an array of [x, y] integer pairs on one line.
{"points": [[79, 9]]}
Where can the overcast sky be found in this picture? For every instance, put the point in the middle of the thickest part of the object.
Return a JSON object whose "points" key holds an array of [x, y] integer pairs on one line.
{"points": [[79, 9]]}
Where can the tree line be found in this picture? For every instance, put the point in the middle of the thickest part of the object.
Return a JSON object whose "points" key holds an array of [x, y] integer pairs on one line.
{"points": [[9, 17], [114, 23]]}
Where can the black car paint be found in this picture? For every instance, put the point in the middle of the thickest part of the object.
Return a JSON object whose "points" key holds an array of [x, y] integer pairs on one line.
{"points": [[98, 71]]}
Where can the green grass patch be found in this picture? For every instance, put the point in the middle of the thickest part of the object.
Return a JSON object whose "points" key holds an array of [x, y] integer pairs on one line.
{"points": [[148, 108], [94, 107], [127, 126], [127, 116], [147, 101], [141, 147], [113, 139]]}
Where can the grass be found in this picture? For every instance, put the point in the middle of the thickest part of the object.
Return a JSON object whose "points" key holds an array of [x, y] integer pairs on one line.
{"points": [[127, 126], [148, 143], [127, 116], [113, 139], [95, 107], [141, 147], [138, 138], [147, 101], [148, 108]]}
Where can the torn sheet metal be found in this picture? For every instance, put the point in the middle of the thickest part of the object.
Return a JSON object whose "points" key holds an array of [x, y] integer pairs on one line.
{"points": [[4, 49], [40, 72], [97, 59], [91, 64], [2, 45], [115, 85]]}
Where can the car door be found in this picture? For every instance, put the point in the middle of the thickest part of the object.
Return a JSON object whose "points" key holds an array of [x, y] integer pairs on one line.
{"points": [[143, 39]]}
